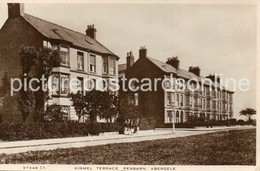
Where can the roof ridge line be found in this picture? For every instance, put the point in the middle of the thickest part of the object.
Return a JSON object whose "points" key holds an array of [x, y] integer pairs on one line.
{"points": [[56, 24]]}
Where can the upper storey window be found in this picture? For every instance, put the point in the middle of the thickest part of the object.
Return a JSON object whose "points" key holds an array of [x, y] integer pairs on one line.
{"points": [[112, 66], [64, 53], [80, 61], [92, 63], [105, 65]]}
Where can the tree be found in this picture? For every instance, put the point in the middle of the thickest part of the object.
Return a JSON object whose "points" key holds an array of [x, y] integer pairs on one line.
{"points": [[4, 89], [55, 113], [94, 103], [108, 106], [79, 104], [36, 64], [248, 112], [6, 86], [129, 114]]}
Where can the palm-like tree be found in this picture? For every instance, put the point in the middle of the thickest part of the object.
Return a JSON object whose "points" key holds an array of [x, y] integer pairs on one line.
{"points": [[248, 112]]}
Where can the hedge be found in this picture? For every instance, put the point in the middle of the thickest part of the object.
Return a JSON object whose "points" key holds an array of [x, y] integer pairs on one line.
{"points": [[197, 124], [29, 131], [147, 124]]}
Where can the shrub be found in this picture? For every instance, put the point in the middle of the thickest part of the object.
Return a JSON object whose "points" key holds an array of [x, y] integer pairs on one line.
{"points": [[240, 122], [94, 128], [254, 122], [46, 130]]}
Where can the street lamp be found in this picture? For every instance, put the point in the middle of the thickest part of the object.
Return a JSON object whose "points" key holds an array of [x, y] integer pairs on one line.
{"points": [[173, 125]]}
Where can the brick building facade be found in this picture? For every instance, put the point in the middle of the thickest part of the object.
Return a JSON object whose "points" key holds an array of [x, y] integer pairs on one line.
{"points": [[164, 105]]}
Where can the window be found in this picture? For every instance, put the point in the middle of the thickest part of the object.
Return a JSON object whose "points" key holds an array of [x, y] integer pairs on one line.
{"points": [[199, 103], [92, 84], [105, 65], [208, 104], [230, 107], [105, 85], [112, 66], [60, 84], [92, 63], [80, 84], [167, 84], [169, 115], [64, 53], [190, 102], [177, 99], [55, 84], [133, 99], [55, 47], [47, 44], [181, 100], [168, 101], [177, 117], [80, 59], [64, 84]]}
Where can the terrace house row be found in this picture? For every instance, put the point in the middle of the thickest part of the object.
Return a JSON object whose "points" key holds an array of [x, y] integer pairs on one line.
{"points": [[166, 105]]}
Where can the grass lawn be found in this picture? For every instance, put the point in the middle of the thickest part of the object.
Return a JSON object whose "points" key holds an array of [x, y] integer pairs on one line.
{"points": [[222, 148]]}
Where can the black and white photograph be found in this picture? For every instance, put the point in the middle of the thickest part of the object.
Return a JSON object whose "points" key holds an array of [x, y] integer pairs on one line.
{"points": [[123, 85]]}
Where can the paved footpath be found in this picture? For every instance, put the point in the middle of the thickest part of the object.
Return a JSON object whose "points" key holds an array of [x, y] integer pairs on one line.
{"points": [[51, 144]]}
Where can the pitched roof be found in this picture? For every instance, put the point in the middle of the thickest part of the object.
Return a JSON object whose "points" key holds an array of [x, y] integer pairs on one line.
{"points": [[163, 66], [180, 72], [57, 32], [121, 68]]}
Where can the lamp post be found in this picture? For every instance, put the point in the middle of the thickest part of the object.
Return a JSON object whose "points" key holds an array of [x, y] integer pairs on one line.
{"points": [[173, 125]]}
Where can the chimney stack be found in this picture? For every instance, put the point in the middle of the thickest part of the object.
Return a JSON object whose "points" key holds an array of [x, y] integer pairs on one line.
{"points": [[130, 60], [173, 61], [195, 70], [212, 78], [15, 10], [142, 52], [91, 31]]}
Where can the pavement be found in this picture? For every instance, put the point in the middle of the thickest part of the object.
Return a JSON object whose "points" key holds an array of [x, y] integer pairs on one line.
{"points": [[76, 142]]}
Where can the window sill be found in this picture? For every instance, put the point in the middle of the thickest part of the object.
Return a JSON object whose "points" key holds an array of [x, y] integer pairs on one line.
{"points": [[66, 96], [64, 66]]}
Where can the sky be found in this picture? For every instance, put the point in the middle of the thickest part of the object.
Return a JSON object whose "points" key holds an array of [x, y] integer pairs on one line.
{"points": [[217, 38]]}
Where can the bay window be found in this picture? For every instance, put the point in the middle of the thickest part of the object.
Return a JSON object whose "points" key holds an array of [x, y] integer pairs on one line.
{"points": [[55, 84], [64, 84], [60, 84]]}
